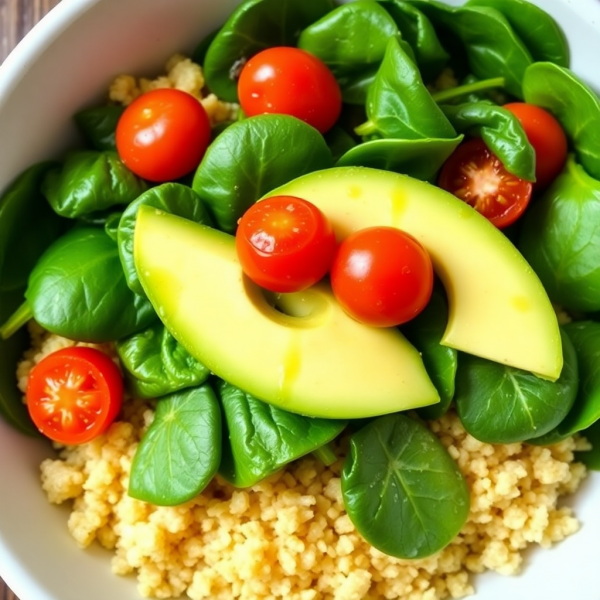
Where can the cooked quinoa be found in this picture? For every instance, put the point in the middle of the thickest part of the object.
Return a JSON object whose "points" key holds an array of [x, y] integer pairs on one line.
{"points": [[289, 536]]}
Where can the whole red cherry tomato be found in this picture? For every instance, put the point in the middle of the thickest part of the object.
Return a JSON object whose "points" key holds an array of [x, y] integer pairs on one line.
{"points": [[163, 135], [382, 276], [284, 244], [292, 82]]}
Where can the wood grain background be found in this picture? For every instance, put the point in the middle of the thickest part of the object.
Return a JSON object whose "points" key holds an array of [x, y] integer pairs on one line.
{"points": [[17, 17]]}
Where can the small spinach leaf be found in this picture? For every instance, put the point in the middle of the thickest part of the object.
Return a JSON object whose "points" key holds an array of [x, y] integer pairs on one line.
{"points": [[90, 181], [173, 198], [253, 157], [156, 364], [591, 458], [401, 488], [98, 125], [259, 439], [181, 450], [501, 405]]}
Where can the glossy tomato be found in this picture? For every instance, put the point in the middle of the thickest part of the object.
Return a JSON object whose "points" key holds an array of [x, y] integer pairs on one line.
{"points": [[382, 276], [74, 394], [293, 82], [475, 175], [547, 138], [163, 135], [285, 244]]}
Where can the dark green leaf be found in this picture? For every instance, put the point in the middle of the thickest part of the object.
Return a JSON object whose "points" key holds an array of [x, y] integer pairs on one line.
{"points": [[78, 290], [500, 405], [591, 458], [156, 364], [98, 125], [181, 450], [111, 225], [339, 141], [199, 54], [402, 490], [90, 181], [253, 157], [259, 439], [252, 27]]}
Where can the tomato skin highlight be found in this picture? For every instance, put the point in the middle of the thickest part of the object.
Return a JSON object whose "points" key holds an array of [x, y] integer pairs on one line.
{"points": [[382, 276], [285, 244], [74, 394], [546, 136], [290, 81], [163, 135], [476, 175]]}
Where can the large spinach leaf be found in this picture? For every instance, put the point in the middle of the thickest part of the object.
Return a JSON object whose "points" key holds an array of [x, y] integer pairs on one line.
{"points": [[90, 181], [399, 105], [181, 450], [560, 238], [501, 131], [156, 364], [500, 404], [252, 27], [98, 125], [573, 103], [537, 29], [78, 290], [492, 47], [253, 157], [173, 198], [585, 336], [259, 439], [27, 227], [402, 490]]}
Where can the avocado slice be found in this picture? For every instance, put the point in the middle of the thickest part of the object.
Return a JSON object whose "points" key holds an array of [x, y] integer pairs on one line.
{"points": [[498, 309], [298, 351]]}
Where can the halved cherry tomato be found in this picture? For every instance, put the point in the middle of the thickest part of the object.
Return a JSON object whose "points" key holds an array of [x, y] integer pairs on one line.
{"points": [[382, 276], [74, 394], [285, 244], [293, 82], [475, 175], [547, 138], [163, 135]]}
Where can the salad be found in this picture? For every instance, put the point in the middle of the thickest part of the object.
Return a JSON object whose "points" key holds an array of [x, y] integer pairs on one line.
{"points": [[189, 433]]}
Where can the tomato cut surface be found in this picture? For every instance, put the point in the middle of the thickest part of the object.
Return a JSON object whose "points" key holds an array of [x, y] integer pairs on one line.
{"points": [[74, 394], [285, 244], [476, 175], [382, 276], [163, 135], [293, 82]]}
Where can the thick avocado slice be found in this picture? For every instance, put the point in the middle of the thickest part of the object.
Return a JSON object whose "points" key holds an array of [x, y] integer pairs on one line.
{"points": [[306, 355], [498, 309]]}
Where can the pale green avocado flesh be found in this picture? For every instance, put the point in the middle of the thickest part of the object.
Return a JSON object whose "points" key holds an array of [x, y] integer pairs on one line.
{"points": [[498, 309], [298, 351]]}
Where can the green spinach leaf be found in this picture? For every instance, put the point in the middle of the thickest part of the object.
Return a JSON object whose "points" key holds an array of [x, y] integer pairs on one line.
{"points": [[339, 141], [560, 238], [253, 157], [181, 450], [252, 27], [501, 131], [173, 198], [90, 181], [573, 103], [156, 364], [402, 490], [259, 439], [501, 405], [591, 458], [98, 125], [78, 290]]}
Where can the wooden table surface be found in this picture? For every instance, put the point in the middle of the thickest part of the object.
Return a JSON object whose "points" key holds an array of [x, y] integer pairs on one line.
{"points": [[17, 17]]}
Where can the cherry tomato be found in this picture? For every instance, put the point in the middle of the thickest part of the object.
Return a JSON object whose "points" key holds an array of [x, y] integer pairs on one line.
{"points": [[382, 276], [163, 135], [547, 138], [293, 82], [475, 175], [285, 244], [74, 394]]}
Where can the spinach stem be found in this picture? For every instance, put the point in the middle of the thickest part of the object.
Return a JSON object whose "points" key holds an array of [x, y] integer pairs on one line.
{"points": [[366, 128], [462, 90], [16, 321], [326, 455]]}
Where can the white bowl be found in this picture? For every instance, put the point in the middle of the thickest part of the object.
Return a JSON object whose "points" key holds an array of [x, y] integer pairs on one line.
{"points": [[66, 62]]}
